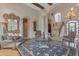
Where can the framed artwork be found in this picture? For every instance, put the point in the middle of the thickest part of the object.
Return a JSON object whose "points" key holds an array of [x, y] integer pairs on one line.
{"points": [[34, 25]]}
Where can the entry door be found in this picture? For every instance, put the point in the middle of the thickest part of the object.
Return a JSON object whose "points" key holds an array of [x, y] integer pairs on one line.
{"points": [[49, 28], [73, 27]]}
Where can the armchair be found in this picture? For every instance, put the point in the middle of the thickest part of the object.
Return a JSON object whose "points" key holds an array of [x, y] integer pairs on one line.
{"points": [[7, 41], [69, 40]]}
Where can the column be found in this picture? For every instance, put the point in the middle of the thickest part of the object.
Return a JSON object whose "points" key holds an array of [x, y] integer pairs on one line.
{"points": [[46, 26], [30, 30]]}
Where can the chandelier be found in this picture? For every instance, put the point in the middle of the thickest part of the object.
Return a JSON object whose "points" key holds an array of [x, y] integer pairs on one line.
{"points": [[71, 14]]}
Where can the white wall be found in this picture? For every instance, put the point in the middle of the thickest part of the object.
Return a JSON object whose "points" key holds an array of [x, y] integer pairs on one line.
{"points": [[1, 29], [20, 10], [41, 22]]}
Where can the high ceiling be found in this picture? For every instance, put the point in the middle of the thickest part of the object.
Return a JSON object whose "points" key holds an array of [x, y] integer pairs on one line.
{"points": [[40, 6], [52, 6]]}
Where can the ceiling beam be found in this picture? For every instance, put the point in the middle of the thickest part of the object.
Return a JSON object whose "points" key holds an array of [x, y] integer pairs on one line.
{"points": [[38, 5], [49, 3]]}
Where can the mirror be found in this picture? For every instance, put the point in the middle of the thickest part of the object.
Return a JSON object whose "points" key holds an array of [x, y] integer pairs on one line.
{"points": [[12, 23]]}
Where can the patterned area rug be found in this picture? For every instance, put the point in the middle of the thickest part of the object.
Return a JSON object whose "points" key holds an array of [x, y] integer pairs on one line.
{"points": [[38, 48]]}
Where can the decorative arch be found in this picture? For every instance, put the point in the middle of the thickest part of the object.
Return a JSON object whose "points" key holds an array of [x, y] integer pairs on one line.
{"points": [[25, 27], [11, 23], [65, 24]]}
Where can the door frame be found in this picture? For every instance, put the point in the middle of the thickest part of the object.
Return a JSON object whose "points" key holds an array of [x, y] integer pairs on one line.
{"points": [[76, 26], [23, 26]]}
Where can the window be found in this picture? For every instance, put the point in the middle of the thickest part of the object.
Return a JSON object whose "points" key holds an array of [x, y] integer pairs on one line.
{"points": [[72, 27], [12, 25], [58, 17]]}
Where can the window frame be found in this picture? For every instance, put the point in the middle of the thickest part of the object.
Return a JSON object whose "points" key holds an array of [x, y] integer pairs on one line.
{"points": [[57, 17]]}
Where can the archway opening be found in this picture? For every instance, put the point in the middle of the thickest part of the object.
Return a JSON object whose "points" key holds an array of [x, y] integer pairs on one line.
{"points": [[25, 28]]}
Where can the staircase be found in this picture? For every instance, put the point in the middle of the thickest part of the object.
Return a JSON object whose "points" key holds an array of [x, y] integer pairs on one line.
{"points": [[60, 28]]}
